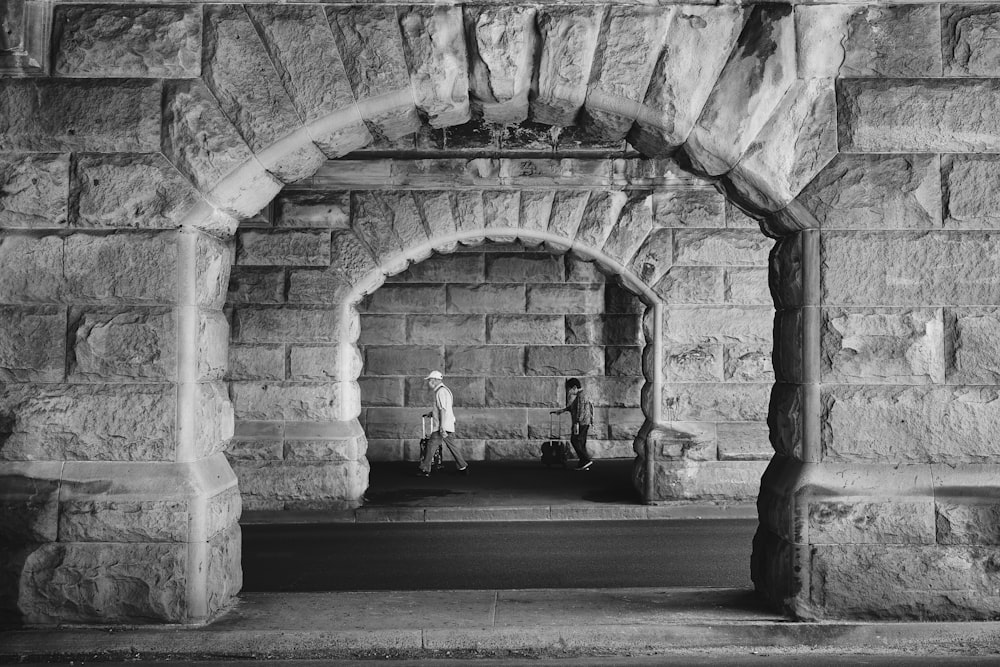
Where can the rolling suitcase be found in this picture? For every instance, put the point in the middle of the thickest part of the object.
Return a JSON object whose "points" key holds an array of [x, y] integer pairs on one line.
{"points": [[555, 451], [438, 461]]}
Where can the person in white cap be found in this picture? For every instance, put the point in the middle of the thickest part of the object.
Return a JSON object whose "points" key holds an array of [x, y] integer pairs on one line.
{"points": [[443, 425]]}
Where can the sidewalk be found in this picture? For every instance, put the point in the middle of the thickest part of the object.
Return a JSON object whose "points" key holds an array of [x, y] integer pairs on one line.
{"points": [[464, 625], [507, 491]]}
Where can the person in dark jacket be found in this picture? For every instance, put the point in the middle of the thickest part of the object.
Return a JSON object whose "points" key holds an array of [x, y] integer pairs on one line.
{"points": [[581, 411]]}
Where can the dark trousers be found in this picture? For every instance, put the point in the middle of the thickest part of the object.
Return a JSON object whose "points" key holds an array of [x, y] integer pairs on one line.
{"points": [[579, 442]]}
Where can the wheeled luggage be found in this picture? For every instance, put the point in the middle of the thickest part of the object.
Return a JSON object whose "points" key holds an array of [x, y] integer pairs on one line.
{"points": [[555, 451], [438, 461]]}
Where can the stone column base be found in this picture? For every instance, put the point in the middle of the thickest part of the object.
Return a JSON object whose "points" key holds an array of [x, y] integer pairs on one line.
{"points": [[114, 542]]}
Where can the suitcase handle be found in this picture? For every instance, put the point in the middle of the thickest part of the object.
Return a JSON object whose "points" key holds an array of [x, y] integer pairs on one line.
{"points": [[555, 427]]}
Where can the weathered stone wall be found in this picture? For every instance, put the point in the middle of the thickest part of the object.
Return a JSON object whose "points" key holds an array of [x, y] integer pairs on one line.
{"points": [[861, 136], [507, 325]]}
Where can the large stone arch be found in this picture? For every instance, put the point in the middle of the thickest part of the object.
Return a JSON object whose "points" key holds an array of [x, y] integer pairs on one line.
{"points": [[133, 166]]}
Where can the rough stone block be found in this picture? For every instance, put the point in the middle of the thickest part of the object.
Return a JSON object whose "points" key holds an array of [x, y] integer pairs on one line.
{"points": [[501, 43], [693, 441], [313, 210], [726, 324], [961, 522], [564, 360], [301, 46], [284, 248], [123, 520], [381, 391], [346, 449], [320, 287], [746, 441], [654, 257], [918, 115], [286, 400], [467, 391], [97, 422], [969, 196], [737, 402], [571, 299], [707, 480], [616, 392], [525, 268], [875, 521], [383, 330], [699, 41], [760, 69], [868, 41], [794, 145], [899, 583], [967, 40], [874, 192], [720, 248], [622, 361], [626, 54], [628, 233], [525, 329], [692, 284], [317, 484], [492, 424], [286, 325], [123, 345], [785, 272], [34, 190], [603, 330], [566, 35], [689, 208], [32, 343], [693, 362], [133, 268], [567, 211], [436, 57], [454, 268], [909, 268], [255, 449], [313, 362], [258, 286], [891, 424], [100, 116], [127, 42], [393, 422], [445, 329], [524, 392], [240, 73], [130, 191], [875, 346], [490, 299], [485, 360], [600, 218], [972, 345], [403, 360], [748, 362], [747, 287], [123, 576], [408, 299]]}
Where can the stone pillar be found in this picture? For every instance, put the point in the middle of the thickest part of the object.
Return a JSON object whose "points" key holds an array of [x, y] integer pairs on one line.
{"points": [[118, 504]]}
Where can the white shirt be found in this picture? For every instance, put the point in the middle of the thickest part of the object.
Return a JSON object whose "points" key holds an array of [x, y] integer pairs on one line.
{"points": [[444, 415]]}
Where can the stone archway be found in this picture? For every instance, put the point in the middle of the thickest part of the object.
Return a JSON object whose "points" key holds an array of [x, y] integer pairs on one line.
{"points": [[131, 166]]}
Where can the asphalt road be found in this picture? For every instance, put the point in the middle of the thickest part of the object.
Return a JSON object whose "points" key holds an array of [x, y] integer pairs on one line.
{"points": [[497, 555]]}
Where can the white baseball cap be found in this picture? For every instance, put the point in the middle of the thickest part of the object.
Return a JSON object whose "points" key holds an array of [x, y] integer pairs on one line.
{"points": [[434, 375]]}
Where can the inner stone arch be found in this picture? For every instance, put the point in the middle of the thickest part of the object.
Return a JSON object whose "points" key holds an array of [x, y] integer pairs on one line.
{"points": [[520, 243], [300, 432]]}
